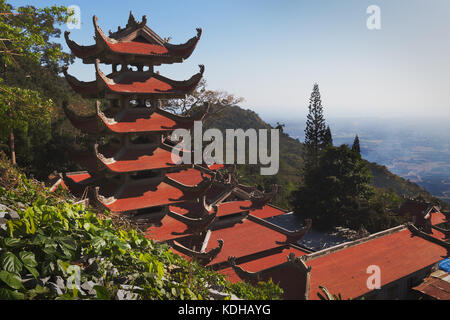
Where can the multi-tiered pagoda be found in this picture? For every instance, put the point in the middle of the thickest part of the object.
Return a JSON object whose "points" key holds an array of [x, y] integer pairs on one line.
{"points": [[202, 212], [130, 167]]}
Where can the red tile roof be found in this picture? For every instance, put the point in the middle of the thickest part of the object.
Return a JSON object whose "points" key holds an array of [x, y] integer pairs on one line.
{"points": [[141, 159], [129, 120], [170, 229], [191, 176], [398, 255], [231, 207], [263, 263], [147, 83], [244, 239], [140, 196], [145, 51], [79, 176], [267, 211], [144, 120], [437, 218], [134, 82]]}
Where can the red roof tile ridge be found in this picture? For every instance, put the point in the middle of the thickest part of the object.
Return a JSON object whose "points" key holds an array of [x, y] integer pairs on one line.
{"points": [[279, 208], [291, 259], [414, 230], [201, 257], [349, 244], [250, 256]]}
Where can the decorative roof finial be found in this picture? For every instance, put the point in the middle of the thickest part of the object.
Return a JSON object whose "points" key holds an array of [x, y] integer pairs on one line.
{"points": [[131, 20]]}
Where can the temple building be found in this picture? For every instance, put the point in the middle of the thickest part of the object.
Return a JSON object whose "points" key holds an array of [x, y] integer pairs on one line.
{"points": [[202, 211]]}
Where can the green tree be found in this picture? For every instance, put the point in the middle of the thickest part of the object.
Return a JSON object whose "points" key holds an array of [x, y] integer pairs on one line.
{"points": [[334, 192], [25, 35], [315, 128], [355, 146], [328, 138]]}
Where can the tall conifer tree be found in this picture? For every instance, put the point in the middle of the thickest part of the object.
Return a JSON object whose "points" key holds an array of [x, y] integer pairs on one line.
{"points": [[315, 128], [328, 138], [356, 147]]}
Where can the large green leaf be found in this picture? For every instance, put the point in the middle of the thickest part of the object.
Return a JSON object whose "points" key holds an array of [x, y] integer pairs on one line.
{"points": [[10, 263], [6, 294], [13, 242], [28, 258], [68, 242], [11, 279], [102, 293], [98, 243], [33, 271]]}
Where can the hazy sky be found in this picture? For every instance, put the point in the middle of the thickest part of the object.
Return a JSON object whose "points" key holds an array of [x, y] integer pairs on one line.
{"points": [[271, 52]]}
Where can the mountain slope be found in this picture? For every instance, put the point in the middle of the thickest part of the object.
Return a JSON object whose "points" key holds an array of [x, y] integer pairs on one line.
{"points": [[291, 160]]}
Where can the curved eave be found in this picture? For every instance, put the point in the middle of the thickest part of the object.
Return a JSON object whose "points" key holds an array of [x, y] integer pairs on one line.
{"points": [[254, 277], [202, 257], [137, 159], [155, 86], [142, 195], [202, 222], [85, 124], [152, 218], [145, 53], [182, 119], [184, 50], [82, 52], [85, 160], [140, 120], [86, 89], [258, 202], [78, 187]]}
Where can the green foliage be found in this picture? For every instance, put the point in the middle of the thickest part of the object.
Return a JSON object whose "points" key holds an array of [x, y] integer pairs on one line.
{"points": [[316, 138], [26, 31], [355, 146], [334, 191], [25, 40], [266, 290], [57, 246], [21, 109], [327, 295], [328, 138], [291, 153]]}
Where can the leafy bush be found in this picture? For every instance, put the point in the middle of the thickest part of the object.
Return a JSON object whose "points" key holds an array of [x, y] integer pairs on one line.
{"points": [[60, 250]]}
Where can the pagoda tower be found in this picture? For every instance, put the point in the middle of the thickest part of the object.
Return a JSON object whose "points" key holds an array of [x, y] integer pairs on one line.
{"points": [[201, 211], [130, 168]]}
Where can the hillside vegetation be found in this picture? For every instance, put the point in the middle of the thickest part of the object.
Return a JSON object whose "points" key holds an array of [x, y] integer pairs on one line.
{"points": [[52, 248], [292, 161]]}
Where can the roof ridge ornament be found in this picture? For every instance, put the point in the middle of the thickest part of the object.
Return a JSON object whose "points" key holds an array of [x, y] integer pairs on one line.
{"points": [[132, 22], [152, 218], [201, 257], [258, 202]]}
